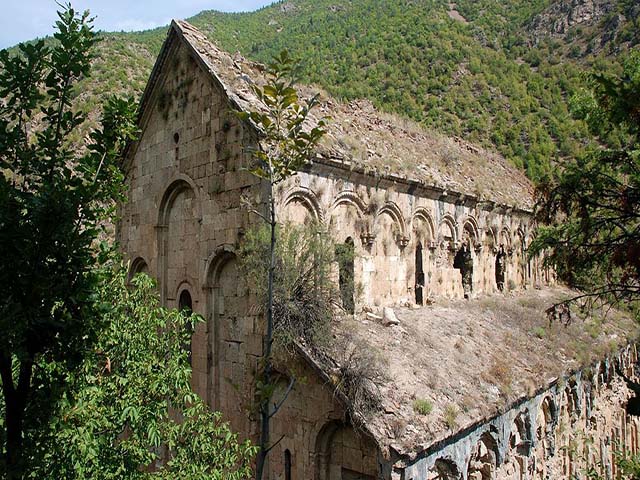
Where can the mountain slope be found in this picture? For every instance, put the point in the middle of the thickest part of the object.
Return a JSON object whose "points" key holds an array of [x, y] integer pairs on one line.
{"points": [[484, 70]]}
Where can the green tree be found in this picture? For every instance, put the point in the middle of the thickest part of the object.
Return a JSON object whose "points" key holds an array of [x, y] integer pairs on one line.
{"points": [[94, 374], [54, 199], [129, 411], [591, 208], [287, 143]]}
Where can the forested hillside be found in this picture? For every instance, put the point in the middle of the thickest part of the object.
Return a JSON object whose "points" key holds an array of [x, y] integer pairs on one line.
{"points": [[498, 73]]}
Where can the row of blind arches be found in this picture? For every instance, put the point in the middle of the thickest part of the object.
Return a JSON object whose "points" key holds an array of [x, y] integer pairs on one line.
{"points": [[345, 253]]}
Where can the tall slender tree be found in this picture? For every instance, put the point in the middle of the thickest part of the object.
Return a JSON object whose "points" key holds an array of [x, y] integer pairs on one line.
{"points": [[287, 143]]}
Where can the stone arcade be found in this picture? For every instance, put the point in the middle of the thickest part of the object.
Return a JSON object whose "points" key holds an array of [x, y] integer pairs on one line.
{"points": [[426, 217]]}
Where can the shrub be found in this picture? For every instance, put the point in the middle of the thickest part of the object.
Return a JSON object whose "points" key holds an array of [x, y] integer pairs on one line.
{"points": [[422, 406], [539, 332], [304, 293], [450, 416]]}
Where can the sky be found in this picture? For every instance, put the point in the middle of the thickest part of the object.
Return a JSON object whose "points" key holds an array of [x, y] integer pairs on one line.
{"points": [[22, 20]]}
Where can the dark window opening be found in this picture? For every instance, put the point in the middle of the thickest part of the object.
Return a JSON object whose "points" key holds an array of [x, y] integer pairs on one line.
{"points": [[176, 137], [419, 287], [345, 256], [500, 268], [287, 465], [185, 304], [463, 261]]}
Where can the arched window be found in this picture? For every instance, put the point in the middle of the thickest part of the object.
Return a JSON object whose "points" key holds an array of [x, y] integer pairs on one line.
{"points": [[287, 465], [185, 304], [137, 266]]}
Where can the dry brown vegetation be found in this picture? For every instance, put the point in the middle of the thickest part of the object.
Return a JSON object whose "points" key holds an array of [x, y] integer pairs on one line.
{"points": [[477, 357]]}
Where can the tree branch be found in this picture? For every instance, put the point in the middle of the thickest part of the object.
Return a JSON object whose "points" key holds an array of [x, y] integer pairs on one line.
{"points": [[274, 445], [277, 406]]}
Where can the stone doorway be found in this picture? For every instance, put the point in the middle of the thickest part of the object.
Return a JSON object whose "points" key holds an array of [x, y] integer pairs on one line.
{"points": [[345, 254], [420, 277], [501, 258], [463, 261]]}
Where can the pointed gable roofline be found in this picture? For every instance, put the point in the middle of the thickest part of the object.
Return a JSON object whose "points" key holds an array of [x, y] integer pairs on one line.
{"points": [[206, 55], [203, 52]]}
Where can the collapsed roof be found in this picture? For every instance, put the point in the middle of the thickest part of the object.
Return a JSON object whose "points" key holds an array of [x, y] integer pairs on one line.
{"points": [[469, 360]]}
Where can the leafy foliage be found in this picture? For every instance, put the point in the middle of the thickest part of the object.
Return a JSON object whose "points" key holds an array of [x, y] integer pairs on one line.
{"points": [[54, 199], [304, 292], [288, 146], [592, 207], [129, 410], [628, 468]]}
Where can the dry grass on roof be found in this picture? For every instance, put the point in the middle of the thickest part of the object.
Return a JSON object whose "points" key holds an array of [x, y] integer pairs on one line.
{"points": [[380, 143], [457, 362]]}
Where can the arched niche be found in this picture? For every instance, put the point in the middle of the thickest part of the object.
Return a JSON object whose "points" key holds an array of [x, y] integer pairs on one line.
{"points": [[389, 279], [491, 239], [174, 188], [423, 233], [341, 452], [447, 236], [470, 233], [390, 227], [346, 217], [302, 205], [423, 227], [521, 439], [178, 231], [516, 462], [504, 239], [573, 399], [484, 459], [547, 420], [444, 469], [231, 330], [138, 265]]}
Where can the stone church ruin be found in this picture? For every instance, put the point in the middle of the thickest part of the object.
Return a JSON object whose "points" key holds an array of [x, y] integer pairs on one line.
{"points": [[432, 227]]}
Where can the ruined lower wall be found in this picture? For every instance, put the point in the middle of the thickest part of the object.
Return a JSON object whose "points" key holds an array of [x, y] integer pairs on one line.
{"points": [[561, 433]]}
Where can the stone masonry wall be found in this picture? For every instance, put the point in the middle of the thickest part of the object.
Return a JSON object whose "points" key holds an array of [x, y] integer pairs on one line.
{"points": [[182, 224], [184, 219], [389, 221]]}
